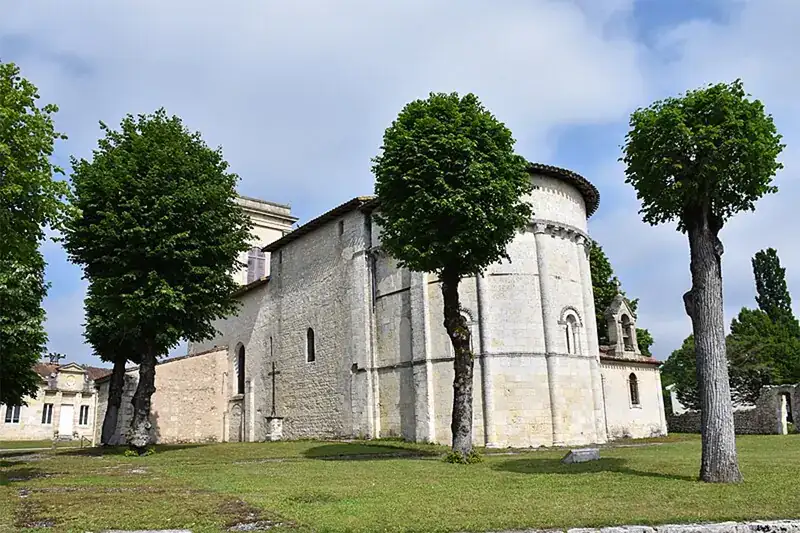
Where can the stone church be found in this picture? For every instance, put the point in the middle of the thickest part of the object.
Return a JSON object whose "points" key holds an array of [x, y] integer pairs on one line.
{"points": [[334, 340]]}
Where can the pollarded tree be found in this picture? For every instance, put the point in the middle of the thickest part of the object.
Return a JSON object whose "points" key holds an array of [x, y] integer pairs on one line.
{"points": [[158, 233], [451, 199], [114, 344], [698, 160], [30, 200]]}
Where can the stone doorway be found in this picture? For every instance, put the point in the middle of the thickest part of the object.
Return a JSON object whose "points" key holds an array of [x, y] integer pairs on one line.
{"points": [[785, 412]]}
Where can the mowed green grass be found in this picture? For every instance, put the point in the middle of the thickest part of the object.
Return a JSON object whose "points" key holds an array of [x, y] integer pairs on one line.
{"points": [[389, 486], [22, 444]]}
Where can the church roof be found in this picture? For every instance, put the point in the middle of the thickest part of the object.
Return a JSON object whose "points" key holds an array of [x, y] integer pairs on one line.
{"points": [[591, 196], [324, 218]]}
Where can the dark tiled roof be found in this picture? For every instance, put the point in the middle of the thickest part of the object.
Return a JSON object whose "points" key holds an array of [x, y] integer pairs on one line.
{"points": [[591, 196]]}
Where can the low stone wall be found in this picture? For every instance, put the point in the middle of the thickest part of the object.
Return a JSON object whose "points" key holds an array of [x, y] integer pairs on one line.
{"points": [[765, 526], [764, 418]]}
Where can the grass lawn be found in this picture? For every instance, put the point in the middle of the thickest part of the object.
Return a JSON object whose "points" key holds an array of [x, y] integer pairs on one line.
{"points": [[20, 444], [388, 486]]}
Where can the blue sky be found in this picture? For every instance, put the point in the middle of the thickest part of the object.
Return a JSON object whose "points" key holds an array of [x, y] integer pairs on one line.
{"points": [[298, 95]]}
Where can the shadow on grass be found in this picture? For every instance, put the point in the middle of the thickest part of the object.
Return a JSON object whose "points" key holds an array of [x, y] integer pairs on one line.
{"points": [[347, 451], [555, 466], [19, 475], [100, 451]]}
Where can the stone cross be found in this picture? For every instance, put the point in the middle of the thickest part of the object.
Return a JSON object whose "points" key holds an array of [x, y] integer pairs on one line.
{"points": [[617, 284], [273, 374]]}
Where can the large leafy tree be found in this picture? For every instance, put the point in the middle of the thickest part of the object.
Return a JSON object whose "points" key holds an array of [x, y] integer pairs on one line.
{"points": [[604, 287], [699, 159], [30, 201], [158, 233], [451, 199]]}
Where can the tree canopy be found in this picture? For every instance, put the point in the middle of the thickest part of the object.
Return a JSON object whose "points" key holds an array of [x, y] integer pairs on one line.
{"points": [[772, 294], [451, 193], [680, 369], [30, 201], [158, 233]]}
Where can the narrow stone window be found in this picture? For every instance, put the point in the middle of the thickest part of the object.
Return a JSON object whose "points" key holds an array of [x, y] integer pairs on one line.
{"points": [[633, 384], [571, 334], [627, 333], [341, 227], [83, 416], [256, 264], [47, 413], [240, 371], [311, 354], [12, 414]]}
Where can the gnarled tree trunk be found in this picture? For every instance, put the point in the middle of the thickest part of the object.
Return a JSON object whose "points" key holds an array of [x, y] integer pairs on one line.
{"points": [[456, 327], [115, 386], [140, 425], [704, 306]]}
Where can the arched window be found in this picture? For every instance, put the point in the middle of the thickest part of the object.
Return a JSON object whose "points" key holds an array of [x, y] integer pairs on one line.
{"points": [[633, 384], [571, 334], [627, 333], [240, 370], [311, 354], [256, 264]]}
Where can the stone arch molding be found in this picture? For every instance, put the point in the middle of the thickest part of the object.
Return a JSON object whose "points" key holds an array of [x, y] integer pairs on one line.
{"points": [[568, 311]]}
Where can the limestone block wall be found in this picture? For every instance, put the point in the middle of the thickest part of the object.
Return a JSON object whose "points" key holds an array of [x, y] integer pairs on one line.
{"points": [[624, 418], [188, 403], [312, 286]]}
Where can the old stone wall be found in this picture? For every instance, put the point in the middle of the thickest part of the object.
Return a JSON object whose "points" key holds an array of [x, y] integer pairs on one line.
{"points": [[624, 418], [188, 404], [764, 418]]}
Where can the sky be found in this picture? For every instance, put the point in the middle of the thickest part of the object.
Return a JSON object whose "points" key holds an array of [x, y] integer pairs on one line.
{"points": [[298, 95]]}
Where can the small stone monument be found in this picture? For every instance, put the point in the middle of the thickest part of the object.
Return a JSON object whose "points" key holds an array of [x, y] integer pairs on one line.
{"points": [[581, 455]]}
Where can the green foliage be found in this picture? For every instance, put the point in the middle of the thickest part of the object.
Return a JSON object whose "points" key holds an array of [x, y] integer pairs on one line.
{"points": [[450, 186], [157, 231], [30, 201], [681, 369], [712, 152], [761, 352], [133, 453], [459, 458], [772, 294], [604, 288], [109, 339]]}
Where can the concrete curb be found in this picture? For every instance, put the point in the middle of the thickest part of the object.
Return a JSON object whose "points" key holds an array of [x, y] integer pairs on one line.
{"points": [[759, 526]]}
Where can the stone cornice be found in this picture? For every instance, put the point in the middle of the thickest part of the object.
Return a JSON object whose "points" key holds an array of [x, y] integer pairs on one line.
{"points": [[559, 229]]}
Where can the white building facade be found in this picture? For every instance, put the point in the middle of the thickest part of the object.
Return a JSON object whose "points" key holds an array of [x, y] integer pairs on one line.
{"points": [[349, 345]]}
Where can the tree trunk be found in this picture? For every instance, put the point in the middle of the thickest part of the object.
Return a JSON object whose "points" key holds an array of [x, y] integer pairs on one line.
{"points": [[140, 425], [115, 386], [704, 306], [456, 327]]}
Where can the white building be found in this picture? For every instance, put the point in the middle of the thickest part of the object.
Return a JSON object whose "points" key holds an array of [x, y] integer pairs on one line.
{"points": [[65, 405]]}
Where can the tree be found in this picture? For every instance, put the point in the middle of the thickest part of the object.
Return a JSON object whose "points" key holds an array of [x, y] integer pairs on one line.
{"points": [[698, 160], [113, 344], [604, 288], [680, 369], [30, 201], [772, 293], [451, 199], [158, 234]]}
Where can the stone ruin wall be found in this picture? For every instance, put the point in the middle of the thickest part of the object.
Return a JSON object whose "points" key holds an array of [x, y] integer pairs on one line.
{"points": [[761, 419]]}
